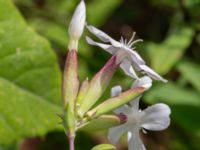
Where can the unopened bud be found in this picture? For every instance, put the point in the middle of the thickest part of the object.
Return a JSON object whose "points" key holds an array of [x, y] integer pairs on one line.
{"points": [[115, 102], [77, 25], [145, 82], [97, 86]]}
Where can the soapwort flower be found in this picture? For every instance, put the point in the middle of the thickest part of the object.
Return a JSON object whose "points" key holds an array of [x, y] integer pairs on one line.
{"points": [[155, 118], [127, 55]]}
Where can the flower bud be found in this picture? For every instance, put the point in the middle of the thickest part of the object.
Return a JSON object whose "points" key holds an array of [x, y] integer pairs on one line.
{"points": [[144, 81], [114, 102], [97, 86], [70, 78], [77, 25], [70, 90]]}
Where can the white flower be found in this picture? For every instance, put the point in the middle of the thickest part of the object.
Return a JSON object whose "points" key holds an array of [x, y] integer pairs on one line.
{"points": [[155, 118], [77, 25], [127, 55]]}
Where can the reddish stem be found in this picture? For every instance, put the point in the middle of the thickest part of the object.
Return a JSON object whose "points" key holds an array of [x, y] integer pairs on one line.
{"points": [[71, 142]]}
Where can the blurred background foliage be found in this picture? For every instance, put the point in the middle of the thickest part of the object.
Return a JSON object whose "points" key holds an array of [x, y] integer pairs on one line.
{"points": [[171, 33]]}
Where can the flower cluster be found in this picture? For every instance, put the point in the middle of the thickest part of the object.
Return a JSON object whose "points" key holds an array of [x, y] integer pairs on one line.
{"points": [[79, 98], [155, 117]]}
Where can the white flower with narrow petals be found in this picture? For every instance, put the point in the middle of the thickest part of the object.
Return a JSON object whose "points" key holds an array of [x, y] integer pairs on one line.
{"points": [[127, 56], [155, 118]]}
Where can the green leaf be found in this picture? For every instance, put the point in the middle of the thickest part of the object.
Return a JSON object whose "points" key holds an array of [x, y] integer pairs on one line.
{"points": [[165, 55], [104, 147], [55, 32], [172, 94], [30, 79], [99, 11], [191, 72]]}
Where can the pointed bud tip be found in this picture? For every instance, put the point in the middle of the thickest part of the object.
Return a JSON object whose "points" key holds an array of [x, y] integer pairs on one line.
{"points": [[145, 82], [77, 24]]}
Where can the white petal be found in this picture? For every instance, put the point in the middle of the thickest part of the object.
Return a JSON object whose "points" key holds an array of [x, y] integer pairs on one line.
{"points": [[128, 69], [134, 142], [78, 21], [136, 57], [156, 117], [144, 81], [116, 90], [109, 48], [102, 36], [151, 73], [124, 109], [133, 55], [135, 103], [115, 133]]}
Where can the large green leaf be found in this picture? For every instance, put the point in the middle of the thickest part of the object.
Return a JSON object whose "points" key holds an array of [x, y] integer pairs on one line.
{"points": [[53, 31], [191, 72], [30, 79], [57, 33], [165, 55]]}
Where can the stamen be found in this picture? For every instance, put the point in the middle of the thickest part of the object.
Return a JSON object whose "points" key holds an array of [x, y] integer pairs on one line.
{"points": [[125, 42], [136, 41], [132, 37], [121, 40], [144, 131], [130, 43]]}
